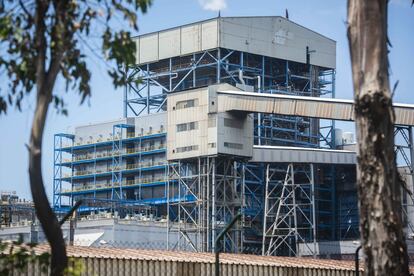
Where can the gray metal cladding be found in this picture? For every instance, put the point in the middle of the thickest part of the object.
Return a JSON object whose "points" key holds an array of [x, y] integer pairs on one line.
{"points": [[268, 154]]}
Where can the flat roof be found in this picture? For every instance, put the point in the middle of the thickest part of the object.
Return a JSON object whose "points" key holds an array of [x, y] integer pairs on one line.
{"points": [[232, 17]]}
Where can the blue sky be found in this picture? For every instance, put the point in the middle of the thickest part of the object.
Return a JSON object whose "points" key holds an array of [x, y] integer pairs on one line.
{"points": [[325, 17]]}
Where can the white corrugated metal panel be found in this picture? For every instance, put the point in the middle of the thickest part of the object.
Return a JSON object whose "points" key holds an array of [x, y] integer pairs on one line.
{"points": [[169, 43], [321, 109], [282, 154], [283, 106], [276, 37], [137, 53], [404, 114], [190, 39], [213, 132], [148, 50], [177, 41], [271, 36], [209, 35], [93, 133], [325, 108]]}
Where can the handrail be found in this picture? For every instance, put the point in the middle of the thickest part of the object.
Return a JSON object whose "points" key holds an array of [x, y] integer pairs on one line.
{"points": [[110, 154], [90, 142], [118, 169], [143, 181]]}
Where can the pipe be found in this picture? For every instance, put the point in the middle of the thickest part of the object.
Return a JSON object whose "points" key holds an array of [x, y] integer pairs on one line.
{"points": [[357, 260], [259, 115], [216, 243], [241, 77]]}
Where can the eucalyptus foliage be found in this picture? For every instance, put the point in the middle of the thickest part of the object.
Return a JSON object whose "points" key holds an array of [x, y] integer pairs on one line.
{"points": [[58, 35], [43, 41]]}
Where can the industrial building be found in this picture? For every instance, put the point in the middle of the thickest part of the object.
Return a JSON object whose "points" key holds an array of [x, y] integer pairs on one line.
{"points": [[14, 210], [231, 114]]}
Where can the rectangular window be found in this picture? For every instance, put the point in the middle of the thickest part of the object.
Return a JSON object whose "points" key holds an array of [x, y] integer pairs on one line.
{"points": [[187, 148], [192, 125], [211, 145], [181, 127], [233, 145], [187, 126], [186, 104]]}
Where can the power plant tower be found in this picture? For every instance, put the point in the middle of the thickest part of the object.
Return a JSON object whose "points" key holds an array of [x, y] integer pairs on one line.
{"points": [[227, 115]]}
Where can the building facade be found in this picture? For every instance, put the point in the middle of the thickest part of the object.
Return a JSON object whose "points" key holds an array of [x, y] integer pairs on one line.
{"points": [[179, 155]]}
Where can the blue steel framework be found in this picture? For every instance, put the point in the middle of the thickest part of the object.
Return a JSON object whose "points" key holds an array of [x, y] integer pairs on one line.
{"points": [[264, 75], [300, 206], [59, 140], [260, 73], [257, 73], [404, 151], [210, 193], [124, 146], [290, 213]]}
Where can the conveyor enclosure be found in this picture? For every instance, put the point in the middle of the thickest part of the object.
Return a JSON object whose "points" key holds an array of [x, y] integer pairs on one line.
{"points": [[323, 108]]}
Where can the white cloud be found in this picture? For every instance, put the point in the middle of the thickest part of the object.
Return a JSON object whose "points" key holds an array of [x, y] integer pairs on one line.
{"points": [[213, 5]]}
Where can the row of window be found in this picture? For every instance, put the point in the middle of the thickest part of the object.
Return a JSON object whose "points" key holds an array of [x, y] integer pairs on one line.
{"points": [[211, 123], [186, 104], [187, 148], [210, 145], [233, 145], [187, 126]]}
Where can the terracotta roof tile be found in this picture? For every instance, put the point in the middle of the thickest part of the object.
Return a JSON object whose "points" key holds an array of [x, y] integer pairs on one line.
{"points": [[180, 256]]}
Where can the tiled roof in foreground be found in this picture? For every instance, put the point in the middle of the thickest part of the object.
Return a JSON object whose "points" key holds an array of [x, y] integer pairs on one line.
{"points": [[179, 256]]}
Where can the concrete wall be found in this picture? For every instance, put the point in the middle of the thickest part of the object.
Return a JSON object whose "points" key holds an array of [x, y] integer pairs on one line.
{"points": [[102, 233]]}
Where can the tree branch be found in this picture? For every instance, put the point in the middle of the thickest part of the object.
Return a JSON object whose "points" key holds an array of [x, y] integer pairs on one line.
{"points": [[29, 16], [40, 42]]}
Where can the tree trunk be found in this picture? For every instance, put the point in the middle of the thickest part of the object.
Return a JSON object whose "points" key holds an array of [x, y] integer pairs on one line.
{"points": [[44, 212], [45, 81], [381, 231]]}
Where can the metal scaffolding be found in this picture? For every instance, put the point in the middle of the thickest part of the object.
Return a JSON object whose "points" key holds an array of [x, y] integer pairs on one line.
{"points": [[60, 141], [289, 215], [190, 209], [206, 195], [149, 85], [404, 151], [77, 176]]}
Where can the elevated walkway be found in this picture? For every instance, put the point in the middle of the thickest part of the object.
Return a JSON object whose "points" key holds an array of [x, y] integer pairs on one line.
{"points": [[282, 154]]}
